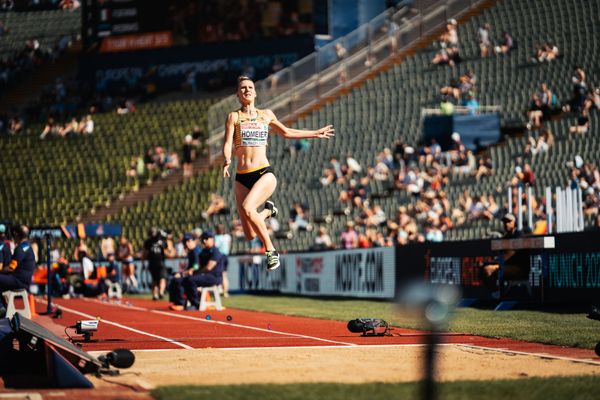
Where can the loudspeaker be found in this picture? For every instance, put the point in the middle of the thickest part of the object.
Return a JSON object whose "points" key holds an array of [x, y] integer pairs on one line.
{"points": [[38, 358]]}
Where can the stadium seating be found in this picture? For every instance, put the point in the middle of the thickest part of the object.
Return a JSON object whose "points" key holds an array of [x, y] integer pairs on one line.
{"points": [[45, 26], [372, 116], [72, 176], [56, 180]]}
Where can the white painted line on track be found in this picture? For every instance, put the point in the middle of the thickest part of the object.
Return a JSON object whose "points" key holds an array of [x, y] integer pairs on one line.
{"points": [[105, 321], [189, 317], [357, 347], [525, 353]]}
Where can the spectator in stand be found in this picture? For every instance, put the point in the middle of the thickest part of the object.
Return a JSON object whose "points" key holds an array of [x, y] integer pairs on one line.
{"points": [[337, 168], [449, 38], [544, 142], [189, 153], [15, 125], [485, 168], [535, 112], [546, 52], [471, 104], [549, 100], [299, 219], [216, 205], [237, 230], [592, 101], [328, 177], [448, 56], [349, 237], [580, 90], [70, 128], [125, 107], [172, 162], [322, 240], [51, 128], [382, 170], [353, 165], [506, 44], [483, 37], [86, 126], [69, 4], [583, 124]]}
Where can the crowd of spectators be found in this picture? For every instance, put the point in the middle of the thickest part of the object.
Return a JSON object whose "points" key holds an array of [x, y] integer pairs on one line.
{"points": [[585, 176], [422, 173], [72, 128]]}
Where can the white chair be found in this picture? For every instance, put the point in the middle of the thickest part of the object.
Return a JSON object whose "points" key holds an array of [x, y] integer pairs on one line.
{"points": [[216, 303], [9, 299], [114, 290]]}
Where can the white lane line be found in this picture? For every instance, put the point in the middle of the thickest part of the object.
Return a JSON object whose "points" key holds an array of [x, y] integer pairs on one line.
{"points": [[525, 353], [105, 321], [357, 347], [170, 314]]}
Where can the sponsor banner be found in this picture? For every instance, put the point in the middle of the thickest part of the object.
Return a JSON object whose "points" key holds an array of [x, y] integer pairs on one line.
{"points": [[143, 41], [366, 273], [168, 67]]}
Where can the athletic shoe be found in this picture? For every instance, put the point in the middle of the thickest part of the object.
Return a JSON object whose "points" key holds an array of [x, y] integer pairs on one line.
{"points": [[269, 205], [272, 260], [192, 307], [176, 307]]}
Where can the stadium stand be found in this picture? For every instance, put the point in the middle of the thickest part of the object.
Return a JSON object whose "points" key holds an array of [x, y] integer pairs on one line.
{"points": [[53, 30], [389, 106], [66, 178], [73, 176]]}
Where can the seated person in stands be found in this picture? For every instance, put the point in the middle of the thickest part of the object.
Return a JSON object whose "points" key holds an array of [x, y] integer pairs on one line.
{"points": [[583, 124], [506, 44], [205, 268], [535, 112], [516, 262], [19, 271], [217, 205], [51, 128]]}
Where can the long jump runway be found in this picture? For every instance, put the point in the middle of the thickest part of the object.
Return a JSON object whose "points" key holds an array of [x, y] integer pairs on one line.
{"points": [[139, 324]]}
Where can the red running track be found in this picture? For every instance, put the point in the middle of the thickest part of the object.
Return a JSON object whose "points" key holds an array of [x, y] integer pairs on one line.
{"points": [[144, 324]]}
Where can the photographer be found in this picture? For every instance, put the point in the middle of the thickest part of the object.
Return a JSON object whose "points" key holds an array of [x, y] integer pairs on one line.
{"points": [[154, 252]]}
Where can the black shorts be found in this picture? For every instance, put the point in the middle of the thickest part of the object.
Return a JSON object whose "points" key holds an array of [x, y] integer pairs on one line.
{"points": [[248, 179], [158, 271]]}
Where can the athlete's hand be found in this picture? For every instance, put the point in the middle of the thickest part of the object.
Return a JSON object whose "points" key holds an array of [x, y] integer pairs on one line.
{"points": [[226, 171], [325, 132]]}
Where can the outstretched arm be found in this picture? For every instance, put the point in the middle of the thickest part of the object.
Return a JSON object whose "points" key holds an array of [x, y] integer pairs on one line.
{"points": [[227, 143], [325, 132]]}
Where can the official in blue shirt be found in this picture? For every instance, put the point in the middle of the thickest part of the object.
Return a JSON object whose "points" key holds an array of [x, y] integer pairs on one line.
{"points": [[205, 268], [19, 271], [5, 254]]}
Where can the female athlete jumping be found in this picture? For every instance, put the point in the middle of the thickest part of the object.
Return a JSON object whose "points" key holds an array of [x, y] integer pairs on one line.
{"points": [[246, 134]]}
